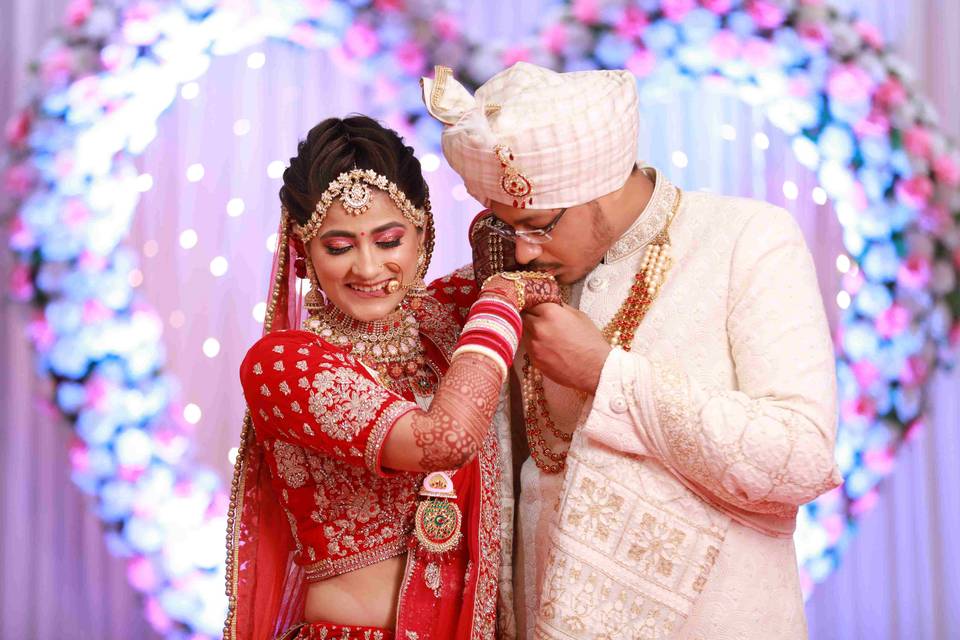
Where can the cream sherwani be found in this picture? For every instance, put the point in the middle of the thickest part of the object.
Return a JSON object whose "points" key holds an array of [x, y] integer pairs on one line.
{"points": [[674, 515]]}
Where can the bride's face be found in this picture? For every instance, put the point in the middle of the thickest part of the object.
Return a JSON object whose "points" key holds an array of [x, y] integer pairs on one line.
{"points": [[355, 257]]}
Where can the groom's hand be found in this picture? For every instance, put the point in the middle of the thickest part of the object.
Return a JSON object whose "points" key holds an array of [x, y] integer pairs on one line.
{"points": [[565, 345]]}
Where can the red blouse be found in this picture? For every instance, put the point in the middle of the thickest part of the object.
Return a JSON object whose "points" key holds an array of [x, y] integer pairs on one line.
{"points": [[322, 418]]}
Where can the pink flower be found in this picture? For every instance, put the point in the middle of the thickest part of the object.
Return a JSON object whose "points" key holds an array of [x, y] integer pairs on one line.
{"points": [[864, 504], [79, 456], [516, 54], [865, 372], [719, 7], [890, 94], [947, 170], [91, 261], [758, 52], [915, 192], [892, 321], [77, 12], [934, 219], [879, 460], [915, 371], [641, 63], [75, 213], [56, 67], [861, 408], [18, 126], [876, 124], [21, 237], [725, 44], [18, 180], [766, 14], [315, 8], [631, 24], [834, 526], [917, 141], [41, 334], [95, 311], [389, 5], [914, 272], [142, 574], [677, 10], [302, 34], [156, 616], [20, 285], [361, 41], [852, 281], [139, 24], [446, 25], [814, 35], [870, 33], [411, 58], [914, 429], [799, 86], [554, 38], [586, 11], [849, 83]]}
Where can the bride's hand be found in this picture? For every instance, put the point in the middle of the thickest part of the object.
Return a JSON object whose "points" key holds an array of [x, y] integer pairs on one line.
{"points": [[524, 289]]}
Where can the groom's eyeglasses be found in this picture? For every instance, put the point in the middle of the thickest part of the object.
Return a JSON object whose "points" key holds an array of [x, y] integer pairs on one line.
{"points": [[540, 235]]}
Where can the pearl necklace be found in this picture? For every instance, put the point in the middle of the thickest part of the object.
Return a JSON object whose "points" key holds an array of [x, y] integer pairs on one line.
{"points": [[618, 332]]}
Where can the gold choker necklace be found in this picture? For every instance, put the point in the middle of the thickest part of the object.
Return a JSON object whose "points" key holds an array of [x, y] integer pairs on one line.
{"points": [[390, 346]]}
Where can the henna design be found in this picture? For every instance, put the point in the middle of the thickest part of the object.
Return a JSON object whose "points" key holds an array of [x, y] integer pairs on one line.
{"points": [[451, 431]]}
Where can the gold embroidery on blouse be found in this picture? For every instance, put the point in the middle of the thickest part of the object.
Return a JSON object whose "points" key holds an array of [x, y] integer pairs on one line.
{"points": [[278, 365], [291, 463], [284, 388], [302, 365], [344, 402], [258, 369], [295, 407], [278, 348], [264, 391]]}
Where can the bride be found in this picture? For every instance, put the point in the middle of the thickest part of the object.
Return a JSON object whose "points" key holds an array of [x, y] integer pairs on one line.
{"points": [[364, 500]]}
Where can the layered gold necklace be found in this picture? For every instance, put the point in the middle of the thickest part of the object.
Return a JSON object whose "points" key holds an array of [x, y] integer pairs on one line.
{"points": [[618, 332], [390, 346]]}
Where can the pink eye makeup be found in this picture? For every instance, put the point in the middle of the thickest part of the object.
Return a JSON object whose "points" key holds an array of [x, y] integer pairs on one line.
{"points": [[389, 239]]}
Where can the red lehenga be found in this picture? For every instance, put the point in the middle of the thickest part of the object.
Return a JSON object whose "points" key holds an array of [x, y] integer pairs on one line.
{"points": [[309, 499]]}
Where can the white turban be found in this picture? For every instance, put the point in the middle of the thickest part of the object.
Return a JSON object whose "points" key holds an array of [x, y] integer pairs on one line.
{"points": [[532, 137]]}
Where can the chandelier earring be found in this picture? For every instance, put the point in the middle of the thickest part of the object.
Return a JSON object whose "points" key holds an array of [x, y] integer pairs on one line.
{"points": [[418, 289], [313, 301]]}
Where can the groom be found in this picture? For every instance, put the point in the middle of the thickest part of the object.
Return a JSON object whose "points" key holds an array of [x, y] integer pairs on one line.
{"points": [[681, 406]]}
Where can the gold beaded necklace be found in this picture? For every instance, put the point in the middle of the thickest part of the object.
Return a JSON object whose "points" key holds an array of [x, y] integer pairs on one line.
{"points": [[390, 346], [618, 332]]}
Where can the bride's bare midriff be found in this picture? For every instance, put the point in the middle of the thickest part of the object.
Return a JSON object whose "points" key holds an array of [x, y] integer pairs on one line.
{"points": [[365, 597]]}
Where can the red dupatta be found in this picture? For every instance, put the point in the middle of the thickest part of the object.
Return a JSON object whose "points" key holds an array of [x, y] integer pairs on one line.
{"points": [[265, 588]]}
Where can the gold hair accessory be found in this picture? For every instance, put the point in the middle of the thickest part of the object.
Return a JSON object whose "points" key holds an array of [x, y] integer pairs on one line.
{"points": [[513, 182], [353, 189]]}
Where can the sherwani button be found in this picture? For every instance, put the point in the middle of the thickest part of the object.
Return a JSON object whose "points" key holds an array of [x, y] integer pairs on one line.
{"points": [[596, 284], [618, 405]]}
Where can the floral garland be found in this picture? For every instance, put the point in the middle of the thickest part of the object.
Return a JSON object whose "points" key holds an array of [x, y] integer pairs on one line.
{"points": [[822, 76]]}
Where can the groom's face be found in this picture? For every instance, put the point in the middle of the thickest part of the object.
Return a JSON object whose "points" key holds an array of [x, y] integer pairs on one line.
{"points": [[577, 243]]}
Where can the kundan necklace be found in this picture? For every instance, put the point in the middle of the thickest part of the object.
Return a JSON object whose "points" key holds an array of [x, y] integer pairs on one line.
{"points": [[619, 332], [390, 346]]}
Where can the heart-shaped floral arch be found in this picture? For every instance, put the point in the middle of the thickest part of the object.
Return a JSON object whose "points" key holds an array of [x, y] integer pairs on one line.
{"points": [[822, 76]]}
